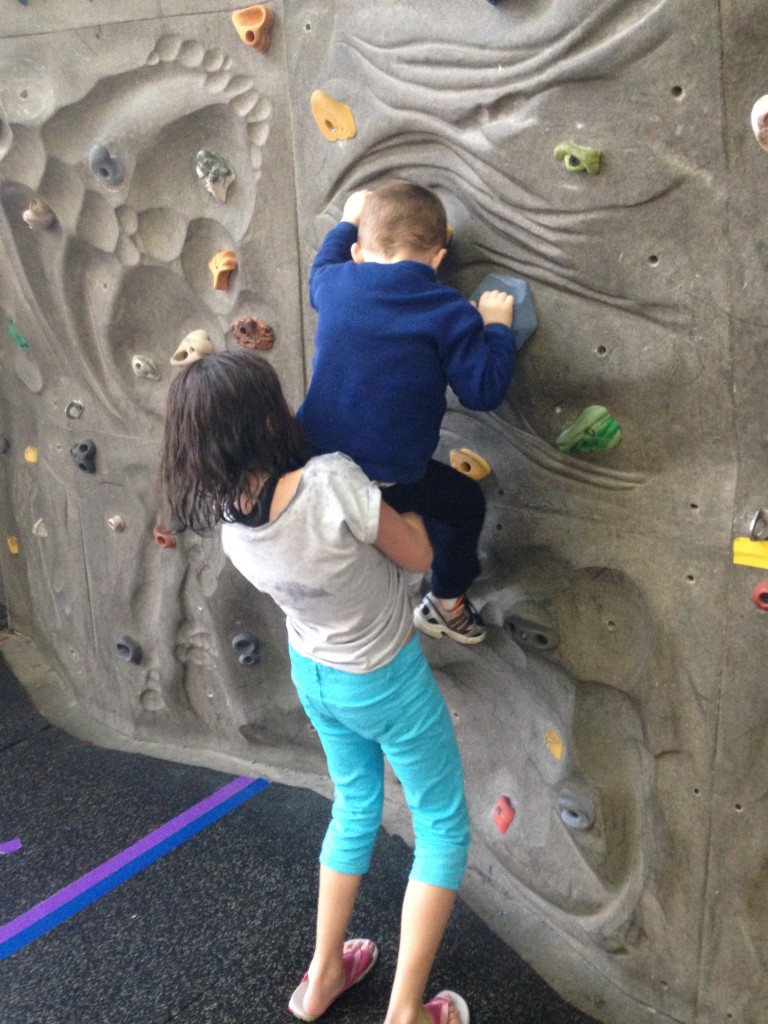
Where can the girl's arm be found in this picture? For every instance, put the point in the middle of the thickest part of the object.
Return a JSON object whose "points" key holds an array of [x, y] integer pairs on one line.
{"points": [[403, 539]]}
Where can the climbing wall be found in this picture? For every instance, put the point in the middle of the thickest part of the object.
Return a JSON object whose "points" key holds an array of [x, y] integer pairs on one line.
{"points": [[173, 177]]}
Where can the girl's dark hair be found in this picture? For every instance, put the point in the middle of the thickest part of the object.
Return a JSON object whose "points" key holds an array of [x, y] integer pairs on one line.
{"points": [[226, 419]]}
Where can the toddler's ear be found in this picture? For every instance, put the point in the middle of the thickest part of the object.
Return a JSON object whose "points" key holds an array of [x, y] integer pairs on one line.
{"points": [[357, 253], [437, 258]]}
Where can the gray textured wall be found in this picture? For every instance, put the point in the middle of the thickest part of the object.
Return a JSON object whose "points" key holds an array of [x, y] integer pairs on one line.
{"points": [[644, 650]]}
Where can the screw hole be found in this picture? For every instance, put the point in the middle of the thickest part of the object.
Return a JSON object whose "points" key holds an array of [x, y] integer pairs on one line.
{"points": [[653, 259], [738, 808], [690, 577], [601, 350], [611, 625], [498, 526], [694, 506], [696, 791], [677, 91]]}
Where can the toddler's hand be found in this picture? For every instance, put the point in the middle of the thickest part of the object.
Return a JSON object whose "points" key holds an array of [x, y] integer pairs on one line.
{"points": [[496, 308], [353, 207]]}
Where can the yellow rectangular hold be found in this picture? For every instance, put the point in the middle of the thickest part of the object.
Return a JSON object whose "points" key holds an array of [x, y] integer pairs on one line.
{"points": [[750, 552]]}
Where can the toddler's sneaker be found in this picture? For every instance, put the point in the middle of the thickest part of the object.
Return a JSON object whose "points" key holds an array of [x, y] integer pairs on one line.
{"points": [[463, 624]]}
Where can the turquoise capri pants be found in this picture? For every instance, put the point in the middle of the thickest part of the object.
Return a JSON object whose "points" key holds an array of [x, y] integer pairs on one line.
{"points": [[397, 712]]}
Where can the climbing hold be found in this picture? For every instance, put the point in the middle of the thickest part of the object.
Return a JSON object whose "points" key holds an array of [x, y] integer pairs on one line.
{"points": [[469, 463], [524, 321], [146, 367], [554, 744], [116, 523], [39, 215], [74, 410], [334, 119], [215, 173], [128, 649], [576, 810], [163, 537], [759, 120], [30, 454], [5, 445], [39, 529], [106, 167], [14, 333], [593, 430], [758, 527], [11, 845], [532, 627], [760, 595], [84, 454], [254, 25], [750, 552], [221, 266], [503, 814], [197, 345], [579, 158], [251, 332], [248, 648], [13, 545]]}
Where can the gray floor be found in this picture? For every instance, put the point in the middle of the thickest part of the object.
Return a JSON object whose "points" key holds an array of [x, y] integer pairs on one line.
{"points": [[217, 931]]}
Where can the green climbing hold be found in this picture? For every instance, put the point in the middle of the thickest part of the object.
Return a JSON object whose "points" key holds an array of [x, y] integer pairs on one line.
{"points": [[594, 430], [20, 341], [578, 158]]}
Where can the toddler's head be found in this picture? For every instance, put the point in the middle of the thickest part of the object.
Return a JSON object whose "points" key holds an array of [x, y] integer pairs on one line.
{"points": [[403, 221]]}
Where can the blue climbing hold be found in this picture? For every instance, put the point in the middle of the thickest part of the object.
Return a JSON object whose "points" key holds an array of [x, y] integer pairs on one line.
{"points": [[524, 322], [106, 167]]}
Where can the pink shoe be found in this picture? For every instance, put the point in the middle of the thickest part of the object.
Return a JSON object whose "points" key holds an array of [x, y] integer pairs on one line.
{"points": [[358, 961], [440, 1007]]}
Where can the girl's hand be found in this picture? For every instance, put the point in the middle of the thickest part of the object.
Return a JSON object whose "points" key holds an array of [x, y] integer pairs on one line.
{"points": [[404, 539]]}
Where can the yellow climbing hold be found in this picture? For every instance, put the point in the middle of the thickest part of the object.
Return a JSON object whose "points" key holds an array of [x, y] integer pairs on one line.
{"points": [[30, 454], [469, 463], [13, 545], [554, 744], [750, 552], [334, 119]]}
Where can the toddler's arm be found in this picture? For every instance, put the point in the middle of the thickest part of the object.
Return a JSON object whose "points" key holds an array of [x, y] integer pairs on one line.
{"points": [[404, 539]]}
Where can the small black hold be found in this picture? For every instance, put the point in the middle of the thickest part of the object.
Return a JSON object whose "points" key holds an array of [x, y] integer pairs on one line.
{"points": [[248, 648], [84, 454], [128, 649]]}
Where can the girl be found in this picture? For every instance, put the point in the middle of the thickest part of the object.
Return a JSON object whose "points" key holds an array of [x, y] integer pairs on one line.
{"points": [[315, 535]]}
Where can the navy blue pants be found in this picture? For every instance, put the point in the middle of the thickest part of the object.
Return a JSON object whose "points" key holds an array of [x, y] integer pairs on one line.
{"points": [[453, 508]]}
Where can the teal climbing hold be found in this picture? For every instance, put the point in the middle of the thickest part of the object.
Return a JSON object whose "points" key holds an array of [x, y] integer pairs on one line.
{"points": [[13, 331], [578, 158], [593, 430]]}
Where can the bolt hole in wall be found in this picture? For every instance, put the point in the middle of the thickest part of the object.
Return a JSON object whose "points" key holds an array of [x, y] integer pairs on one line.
{"points": [[653, 260], [677, 91], [601, 351]]}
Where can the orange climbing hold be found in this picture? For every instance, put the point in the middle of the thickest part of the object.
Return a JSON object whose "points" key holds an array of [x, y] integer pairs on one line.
{"points": [[254, 26], [503, 814], [221, 266], [334, 119], [13, 545], [554, 744], [163, 537], [469, 463]]}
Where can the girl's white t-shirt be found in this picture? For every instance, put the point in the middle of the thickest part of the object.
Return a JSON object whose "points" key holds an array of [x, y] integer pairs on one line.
{"points": [[346, 604]]}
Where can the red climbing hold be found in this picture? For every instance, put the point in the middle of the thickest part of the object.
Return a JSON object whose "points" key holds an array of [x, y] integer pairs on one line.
{"points": [[503, 814], [760, 595]]}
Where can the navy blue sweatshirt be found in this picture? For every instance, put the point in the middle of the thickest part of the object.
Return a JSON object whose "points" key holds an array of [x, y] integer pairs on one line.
{"points": [[389, 339]]}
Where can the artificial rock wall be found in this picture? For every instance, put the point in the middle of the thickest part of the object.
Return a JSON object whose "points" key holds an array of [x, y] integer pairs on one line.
{"points": [[618, 706]]}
